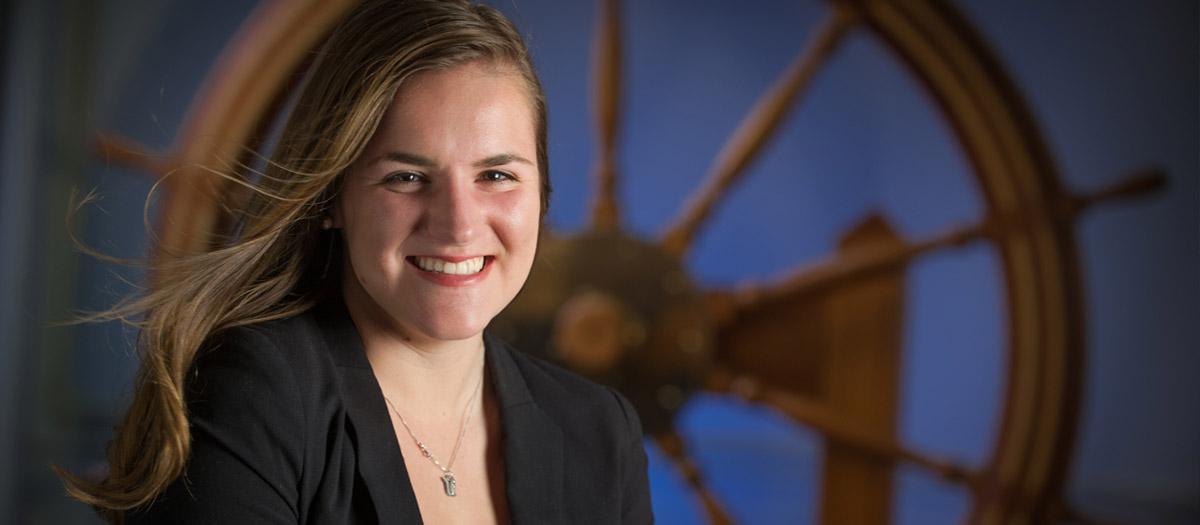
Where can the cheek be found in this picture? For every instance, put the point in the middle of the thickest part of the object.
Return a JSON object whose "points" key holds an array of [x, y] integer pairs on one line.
{"points": [[520, 216], [376, 228]]}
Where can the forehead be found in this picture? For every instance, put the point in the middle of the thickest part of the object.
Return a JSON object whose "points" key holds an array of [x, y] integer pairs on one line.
{"points": [[462, 108]]}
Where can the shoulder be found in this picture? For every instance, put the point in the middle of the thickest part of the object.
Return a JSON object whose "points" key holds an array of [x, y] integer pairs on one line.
{"points": [[278, 365], [292, 345], [258, 384], [602, 454], [247, 419], [288, 339], [243, 359], [575, 399]]}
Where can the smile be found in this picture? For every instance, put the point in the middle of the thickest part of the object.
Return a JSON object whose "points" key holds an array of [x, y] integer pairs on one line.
{"points": [[470, 266]]}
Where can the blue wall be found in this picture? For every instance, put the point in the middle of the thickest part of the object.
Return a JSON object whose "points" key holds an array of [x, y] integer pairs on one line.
{"points": [[1113, 86]]}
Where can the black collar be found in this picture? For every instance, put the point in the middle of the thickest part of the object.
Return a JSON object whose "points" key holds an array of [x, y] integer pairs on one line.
{"points": [[533, 442]]}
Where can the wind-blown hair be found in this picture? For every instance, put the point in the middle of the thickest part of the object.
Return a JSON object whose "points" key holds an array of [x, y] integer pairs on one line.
{"points": [[282, 263]]}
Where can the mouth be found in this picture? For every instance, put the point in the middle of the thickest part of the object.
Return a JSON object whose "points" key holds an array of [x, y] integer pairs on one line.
{"points": [[464, 266]]}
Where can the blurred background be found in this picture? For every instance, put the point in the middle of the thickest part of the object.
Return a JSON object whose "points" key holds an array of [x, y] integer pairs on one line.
{"points": [[1111, 85]]}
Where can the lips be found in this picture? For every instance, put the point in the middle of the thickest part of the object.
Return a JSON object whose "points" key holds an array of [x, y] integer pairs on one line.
{"points": [[451, 271], [469, 266]]}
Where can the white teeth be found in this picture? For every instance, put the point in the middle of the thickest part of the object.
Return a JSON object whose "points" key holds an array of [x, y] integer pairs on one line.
{"points": [[467, 267]]}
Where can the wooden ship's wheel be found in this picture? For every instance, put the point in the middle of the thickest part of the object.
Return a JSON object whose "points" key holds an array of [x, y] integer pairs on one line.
{"points": [[823, 345]]}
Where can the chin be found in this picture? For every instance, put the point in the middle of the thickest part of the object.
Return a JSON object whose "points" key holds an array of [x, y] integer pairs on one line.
{"points": [[451, 329]]}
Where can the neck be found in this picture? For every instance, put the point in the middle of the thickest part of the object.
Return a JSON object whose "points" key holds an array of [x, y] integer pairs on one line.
{"points": [[431, 377], [440, 376]]}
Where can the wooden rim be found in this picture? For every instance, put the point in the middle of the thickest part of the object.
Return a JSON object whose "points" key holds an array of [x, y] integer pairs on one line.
{"points": [[1033, 449]]}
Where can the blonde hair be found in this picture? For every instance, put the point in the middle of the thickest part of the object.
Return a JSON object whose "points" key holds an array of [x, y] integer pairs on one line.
{"points": [[280, 265]]}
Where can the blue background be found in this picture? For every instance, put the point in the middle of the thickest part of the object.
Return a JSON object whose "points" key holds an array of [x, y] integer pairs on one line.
{"points": [[1113, 86]]}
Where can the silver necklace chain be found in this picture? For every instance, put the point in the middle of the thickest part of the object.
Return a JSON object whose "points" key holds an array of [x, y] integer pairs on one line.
{"points": [[449, 483]]}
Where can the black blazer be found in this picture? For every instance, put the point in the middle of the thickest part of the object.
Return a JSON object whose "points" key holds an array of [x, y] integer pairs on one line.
{"points": [[290, 426]]}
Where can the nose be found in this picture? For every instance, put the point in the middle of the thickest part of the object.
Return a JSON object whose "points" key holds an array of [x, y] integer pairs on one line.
{"points": [[454, 216]]}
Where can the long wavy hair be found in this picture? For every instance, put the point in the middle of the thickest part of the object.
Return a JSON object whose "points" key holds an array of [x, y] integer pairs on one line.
{"points": [[280, 264]]}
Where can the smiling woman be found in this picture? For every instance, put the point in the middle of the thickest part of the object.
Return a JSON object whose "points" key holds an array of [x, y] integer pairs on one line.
{"points": [[331, 365], [441, 218]]}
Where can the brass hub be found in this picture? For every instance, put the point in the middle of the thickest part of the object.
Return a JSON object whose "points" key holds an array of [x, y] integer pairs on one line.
{"points": [[620, 311]]}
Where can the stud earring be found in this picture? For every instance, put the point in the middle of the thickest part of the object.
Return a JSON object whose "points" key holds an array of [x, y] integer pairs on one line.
{"points": [[326, 223]]}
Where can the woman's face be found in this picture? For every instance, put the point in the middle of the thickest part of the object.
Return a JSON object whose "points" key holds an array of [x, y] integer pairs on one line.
{"points": [[441, 212]]}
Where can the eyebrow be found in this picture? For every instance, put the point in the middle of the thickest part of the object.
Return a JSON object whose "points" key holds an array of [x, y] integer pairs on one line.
{"points": [[406, 158], [425, 162], [502, 159]]}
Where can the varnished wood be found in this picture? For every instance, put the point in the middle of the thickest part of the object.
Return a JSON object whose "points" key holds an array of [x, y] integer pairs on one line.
{"points": [[757, 129], [841, 269], [834, 427], [1043, 378], [607, 99], [121, 151], [1139, 183], [860, 381], [674, 448], [244, 82]]}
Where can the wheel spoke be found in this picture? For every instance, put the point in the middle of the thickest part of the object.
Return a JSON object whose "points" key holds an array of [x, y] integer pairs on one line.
{"points": [[728, 305], [607, 85], [833, 427], [1074, 516], [837, 270], [757, 128], [122, 151], [1135, 184], [673, 446]]}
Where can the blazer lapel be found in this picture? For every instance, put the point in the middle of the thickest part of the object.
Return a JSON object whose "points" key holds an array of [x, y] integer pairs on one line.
{"points": [[533, 443], [379, 459]]}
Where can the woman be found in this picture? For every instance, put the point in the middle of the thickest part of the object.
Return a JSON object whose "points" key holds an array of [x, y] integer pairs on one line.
{"points": [[331, 366]]}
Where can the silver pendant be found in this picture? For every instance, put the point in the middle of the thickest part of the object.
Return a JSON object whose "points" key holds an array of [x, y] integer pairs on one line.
{"points": [[449, 484]]}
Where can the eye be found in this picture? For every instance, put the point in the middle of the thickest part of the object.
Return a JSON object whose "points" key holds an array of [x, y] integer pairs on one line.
{"points": [[497, 176], [402, 178]]}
